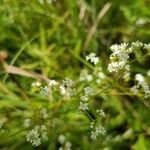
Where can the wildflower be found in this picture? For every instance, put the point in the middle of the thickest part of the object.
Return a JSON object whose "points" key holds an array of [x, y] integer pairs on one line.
{"points": [[97, 132], [140, 22], [27, 122], [68, 82], [139, 78], [34, 137], [85, 76], [101, 113], [147, 46], [45, 91], [36, 84], [83, 106], [148, 73], [119, 59], [141, 83], [88, 91], [136, 44], [92, 57], [67, 87], [68, 145], [134, 89], [92, 125], [44, 113], [84, 98], [61, 139], [52, 83], [100, 77], [62, 90]]}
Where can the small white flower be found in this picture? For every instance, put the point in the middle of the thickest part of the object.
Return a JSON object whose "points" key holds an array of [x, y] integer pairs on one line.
{"points": [[148, 73], [147, 46], [69, 83], [134, 89], [36, 84], [88, 91], [93, 135], [62, 90], [68, 145], [34, 137], [52, 83], [44, 113], [100, 130], [61, 139], [83, 106], [92, 125], [85, 76], [92, 57], [136, 44], [139, 77], [27, 122], [101, 112], [84, 98]]}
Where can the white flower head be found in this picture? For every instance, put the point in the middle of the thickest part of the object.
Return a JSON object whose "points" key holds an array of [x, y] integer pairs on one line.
{"points": [[148, 73], [27, 122], [68, 145], [34, 137], [44, 113], [36, 84], [88, 91], [83, 106], [139, 77], [84, 98], [91, 125], [85, 76], [136, 44], [61, 139], [92, 57], [101, 113], [52, 83]]}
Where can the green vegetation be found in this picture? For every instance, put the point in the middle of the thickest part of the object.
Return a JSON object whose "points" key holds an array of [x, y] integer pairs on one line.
{"points": [[56, 89]]}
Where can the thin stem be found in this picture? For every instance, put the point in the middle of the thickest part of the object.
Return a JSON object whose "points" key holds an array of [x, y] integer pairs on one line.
{"points": [[18, 54]]}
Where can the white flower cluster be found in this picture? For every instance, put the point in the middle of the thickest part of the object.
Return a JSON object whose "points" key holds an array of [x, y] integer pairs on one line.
{"points": [[141, 84], [92, 58], [44, 113], [27, 123], [148, 73], [85, 76], [100, 76], [84, 103], [36, 84], [96, 131], [136, 44], [119, 59], [47, 90], [101, 113], [66, 145], [67, 87], [88, 91], [147, 46], [36, 135]]}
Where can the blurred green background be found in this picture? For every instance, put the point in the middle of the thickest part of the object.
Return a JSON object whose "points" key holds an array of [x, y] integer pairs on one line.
{"points": [[50, 37]]}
